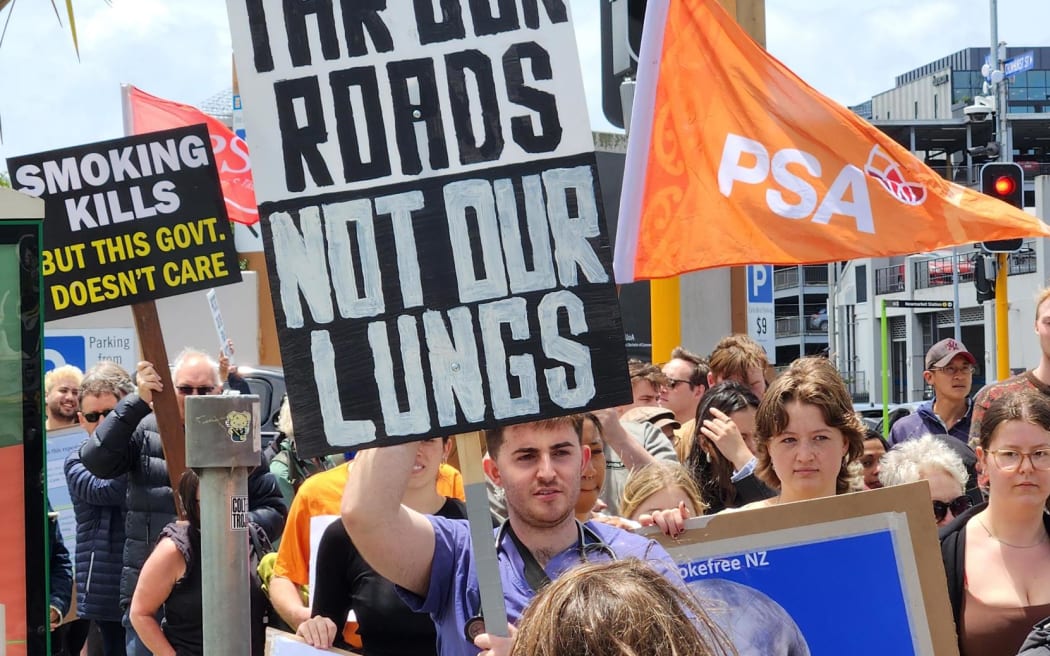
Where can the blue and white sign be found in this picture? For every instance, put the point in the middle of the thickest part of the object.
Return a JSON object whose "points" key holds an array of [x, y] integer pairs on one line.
{"points": [[1019, 64], [761, 317], [87, 347]]}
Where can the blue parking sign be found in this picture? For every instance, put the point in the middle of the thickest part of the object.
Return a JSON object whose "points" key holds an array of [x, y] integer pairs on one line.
{"points": [[760, 284], [61, 350]]}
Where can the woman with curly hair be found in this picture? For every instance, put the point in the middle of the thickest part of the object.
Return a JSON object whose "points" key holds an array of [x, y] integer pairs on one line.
{"points": [[809, 439]]}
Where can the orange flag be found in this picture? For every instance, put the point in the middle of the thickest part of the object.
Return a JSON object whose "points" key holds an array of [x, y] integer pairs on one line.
{"points": [[732, 159], [150, 113]]}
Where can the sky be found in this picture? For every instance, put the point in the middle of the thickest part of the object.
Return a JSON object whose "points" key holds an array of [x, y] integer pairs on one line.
{"points": [[848, 50]]}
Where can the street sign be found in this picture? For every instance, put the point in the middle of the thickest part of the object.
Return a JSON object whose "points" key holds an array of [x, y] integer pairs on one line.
{"points": [[929, 305], [761, 317], [1019, 64], [84, 348]]}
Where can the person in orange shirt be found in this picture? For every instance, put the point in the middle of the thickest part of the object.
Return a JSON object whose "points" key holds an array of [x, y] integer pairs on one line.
{"points": [[321, 494]]}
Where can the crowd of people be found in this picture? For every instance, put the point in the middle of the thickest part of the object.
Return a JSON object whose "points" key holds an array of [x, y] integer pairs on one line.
{"points": [[395, 569]]}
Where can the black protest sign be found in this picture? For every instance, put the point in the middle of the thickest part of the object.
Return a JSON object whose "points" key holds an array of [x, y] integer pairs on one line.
{"points": [[129, 220], [431, 217]]}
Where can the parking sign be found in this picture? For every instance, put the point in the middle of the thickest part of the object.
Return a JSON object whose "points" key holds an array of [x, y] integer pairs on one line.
{"points": [[761, 318]]}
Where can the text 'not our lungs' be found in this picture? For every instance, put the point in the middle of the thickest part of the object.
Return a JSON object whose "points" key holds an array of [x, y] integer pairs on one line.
{"points": [[390, 117], [502, 333]]}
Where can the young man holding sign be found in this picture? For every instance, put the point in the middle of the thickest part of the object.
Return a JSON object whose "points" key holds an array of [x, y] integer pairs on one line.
{"points": [[431, 559]]}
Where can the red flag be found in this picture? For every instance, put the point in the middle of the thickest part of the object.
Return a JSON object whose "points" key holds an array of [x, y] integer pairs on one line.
{"points": [[733, 159], [150, 113]]}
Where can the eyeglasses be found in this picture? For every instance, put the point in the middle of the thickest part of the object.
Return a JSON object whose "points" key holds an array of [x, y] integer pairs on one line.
{"points": [[1010, 460], [958, 506], [964, 370], [190, 390], [96, 416], [674, 382]]}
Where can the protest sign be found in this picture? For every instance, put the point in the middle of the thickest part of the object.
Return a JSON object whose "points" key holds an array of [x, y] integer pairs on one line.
{"points": [[129, 220], [280, 643], [430, 211], [801, 568]]}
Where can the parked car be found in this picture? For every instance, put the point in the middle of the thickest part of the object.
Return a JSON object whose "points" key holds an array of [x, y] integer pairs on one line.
{"points": [[819, 320], [940, 271], [871, 413]]}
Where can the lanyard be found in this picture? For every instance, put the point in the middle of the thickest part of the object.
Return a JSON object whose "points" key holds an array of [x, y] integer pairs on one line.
{"points": [[535, 575]]}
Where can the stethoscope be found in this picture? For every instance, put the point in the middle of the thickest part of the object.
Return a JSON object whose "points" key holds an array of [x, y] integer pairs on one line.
{"points": [[588, 543]]}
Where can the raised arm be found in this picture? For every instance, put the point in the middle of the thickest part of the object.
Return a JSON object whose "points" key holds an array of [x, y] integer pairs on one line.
{"points": [[396, 541]]}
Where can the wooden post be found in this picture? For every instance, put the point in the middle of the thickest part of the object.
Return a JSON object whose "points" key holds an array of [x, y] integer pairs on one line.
{"points": [[169, 422], [751, 15], [493, 607]]}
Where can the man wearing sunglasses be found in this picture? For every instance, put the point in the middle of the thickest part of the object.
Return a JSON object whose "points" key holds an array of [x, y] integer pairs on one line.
{"points": [[99, 507], [127, 441]]}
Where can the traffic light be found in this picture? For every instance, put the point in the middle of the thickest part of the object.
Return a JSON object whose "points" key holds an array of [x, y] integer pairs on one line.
{"points": [[621, 32], [1005, 181]]}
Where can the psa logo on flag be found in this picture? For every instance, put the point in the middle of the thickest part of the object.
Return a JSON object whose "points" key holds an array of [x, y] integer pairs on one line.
{"points": [[890, 176]]}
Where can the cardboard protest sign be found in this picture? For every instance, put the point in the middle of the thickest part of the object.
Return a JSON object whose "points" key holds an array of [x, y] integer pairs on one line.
{"points": [[801, 568], [430, 207], [129, 220]]}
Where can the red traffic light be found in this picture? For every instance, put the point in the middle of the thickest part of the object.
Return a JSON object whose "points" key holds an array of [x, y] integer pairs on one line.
{"points": [[1004, 185]]}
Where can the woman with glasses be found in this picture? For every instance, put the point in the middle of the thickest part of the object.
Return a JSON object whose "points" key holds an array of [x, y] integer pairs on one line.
{"points": [[929, 458], [997, 554]]}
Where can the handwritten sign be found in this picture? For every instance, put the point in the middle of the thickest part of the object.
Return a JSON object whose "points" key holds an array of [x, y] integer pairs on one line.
{"points": [[431, 218]]}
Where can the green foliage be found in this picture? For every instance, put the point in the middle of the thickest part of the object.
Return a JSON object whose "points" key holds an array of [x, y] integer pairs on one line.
{"points": [[5, 180]]}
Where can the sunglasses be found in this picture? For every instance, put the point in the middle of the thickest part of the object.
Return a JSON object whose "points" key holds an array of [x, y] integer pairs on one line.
{"points": [[190, 390], [92, 417], [958, 506]]}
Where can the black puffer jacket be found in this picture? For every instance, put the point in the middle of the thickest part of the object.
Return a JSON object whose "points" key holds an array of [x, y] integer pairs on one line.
{"points": [[99, 507], [127, 442]]}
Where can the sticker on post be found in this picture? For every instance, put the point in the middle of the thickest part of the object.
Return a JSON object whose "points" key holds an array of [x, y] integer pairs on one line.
{"points": [[239, 513], [237, 423]]}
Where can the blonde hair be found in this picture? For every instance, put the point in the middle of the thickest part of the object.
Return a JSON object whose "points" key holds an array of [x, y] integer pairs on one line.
{"points": [[617, 608], [52, 377], [647, 481], [812, 381]]}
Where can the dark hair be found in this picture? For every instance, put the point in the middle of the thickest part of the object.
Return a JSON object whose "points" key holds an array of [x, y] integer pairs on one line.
{"points": [[1029, 406], [188, 486], [700, 368], [711, 470], [872, 434], [494, 436], [813, 381]]}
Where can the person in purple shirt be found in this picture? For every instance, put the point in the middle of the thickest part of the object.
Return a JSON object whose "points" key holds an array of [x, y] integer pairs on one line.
{"points": [[431, 560], [949, 371]]}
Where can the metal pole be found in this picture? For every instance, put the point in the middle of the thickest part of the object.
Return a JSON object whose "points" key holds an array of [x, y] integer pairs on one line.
{"points": [[222, 443], [665, 310], [885, 373], [801, 311], [955, 294], [1002, 332]]}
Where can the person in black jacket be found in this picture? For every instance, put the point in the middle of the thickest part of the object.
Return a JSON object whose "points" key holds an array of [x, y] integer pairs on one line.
{"points": [[128, 442], [99, 505], [61, 577]]}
